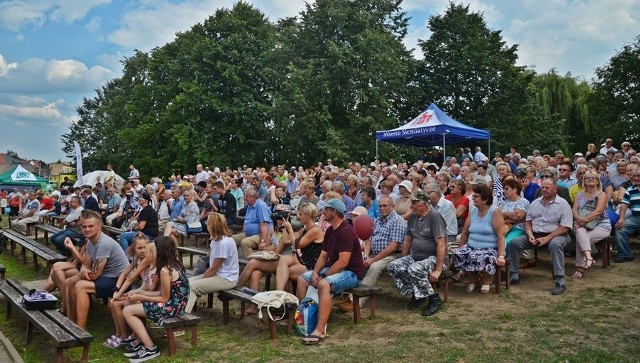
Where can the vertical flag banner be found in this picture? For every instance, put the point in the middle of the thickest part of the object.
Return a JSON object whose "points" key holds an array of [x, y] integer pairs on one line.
{"points": [[79, 173]]}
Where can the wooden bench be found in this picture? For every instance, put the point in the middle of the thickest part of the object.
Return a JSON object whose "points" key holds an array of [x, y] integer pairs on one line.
{"points": [[497, 279], [187, 322], [46, 228], [59, 219], [199, 236], [113, 232], [242, 294], [605, 246], [191, 251], [36, 249], [3, 270], [64, 332], [364, 291]]}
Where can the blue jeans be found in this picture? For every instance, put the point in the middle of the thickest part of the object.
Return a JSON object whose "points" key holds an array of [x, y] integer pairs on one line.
{"points": [[622, 236], [340, 282], [58, 239], [127, 237]]}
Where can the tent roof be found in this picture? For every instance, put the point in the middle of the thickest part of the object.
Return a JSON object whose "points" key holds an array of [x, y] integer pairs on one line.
{"points": [[430, 128], [20, 176]]}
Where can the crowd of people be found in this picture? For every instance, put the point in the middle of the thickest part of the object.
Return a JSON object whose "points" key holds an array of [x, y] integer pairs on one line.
{"points": [[464, 213]]}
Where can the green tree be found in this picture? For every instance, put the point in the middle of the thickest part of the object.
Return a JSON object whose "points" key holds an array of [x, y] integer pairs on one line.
{"points": [[615, 102]]}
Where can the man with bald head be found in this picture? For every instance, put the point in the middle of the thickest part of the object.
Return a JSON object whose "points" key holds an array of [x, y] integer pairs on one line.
{"points": [[548, 223]]}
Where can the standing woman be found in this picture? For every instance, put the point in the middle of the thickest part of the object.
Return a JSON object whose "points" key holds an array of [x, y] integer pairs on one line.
{"points": [[481, 241], [588, 207], [307, 246], [591, 152], [157, 306], [223, 270]]}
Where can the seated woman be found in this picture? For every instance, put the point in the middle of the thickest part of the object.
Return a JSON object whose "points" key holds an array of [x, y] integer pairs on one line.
{"points": [[143, 265], [168, 302], [590, 221], [190, 214], [307, 245], [257, 268], [459, 200], [482, 241], [223, 270], [514, 208]]}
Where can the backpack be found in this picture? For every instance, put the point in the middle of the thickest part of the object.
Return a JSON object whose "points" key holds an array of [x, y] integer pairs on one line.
{"points": [[306, 317]]}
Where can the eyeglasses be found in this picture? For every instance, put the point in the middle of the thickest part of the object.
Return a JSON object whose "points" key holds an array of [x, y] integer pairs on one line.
{"points": [[590, 177], [453, 186], [545, 176]]}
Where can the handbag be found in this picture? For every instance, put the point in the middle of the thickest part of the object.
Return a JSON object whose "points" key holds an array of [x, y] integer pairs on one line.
{"points": [[194, 227], [586, 209], [273, 300], [39, 300], [264, 255]]}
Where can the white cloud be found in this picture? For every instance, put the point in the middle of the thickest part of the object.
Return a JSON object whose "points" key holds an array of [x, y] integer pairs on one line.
{"points": [[38, 76], [32, 111], [94, 24], [16, 14]]}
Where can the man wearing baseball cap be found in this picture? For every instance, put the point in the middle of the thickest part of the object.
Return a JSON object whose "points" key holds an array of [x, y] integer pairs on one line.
{"points": [[339, 268], [423, 250]]}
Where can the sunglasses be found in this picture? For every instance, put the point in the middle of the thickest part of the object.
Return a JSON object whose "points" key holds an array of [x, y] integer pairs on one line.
{"points": [[545, 176]]}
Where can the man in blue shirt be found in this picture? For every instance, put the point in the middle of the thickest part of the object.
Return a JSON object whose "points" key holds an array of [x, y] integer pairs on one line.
{"points": [[178, 203], [626, 226], [258, 225]]}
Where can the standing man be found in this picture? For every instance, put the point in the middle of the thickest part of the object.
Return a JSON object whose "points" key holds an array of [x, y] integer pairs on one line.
{"points": [[258, 225], [548, 223], [72, 224], [225, 203], [383, 247], [338, 269], [103, 263], [423, 250], [479, 156], [201, 175], [111, 177], [625, 227], [28, 215], [133, 172]]}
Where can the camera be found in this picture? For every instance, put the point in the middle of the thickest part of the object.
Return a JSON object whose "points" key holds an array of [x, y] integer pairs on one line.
{"points": [[280, 215]]}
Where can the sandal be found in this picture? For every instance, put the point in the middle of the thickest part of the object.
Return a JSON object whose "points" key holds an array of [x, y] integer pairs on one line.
{"points": [[458, 276], [589, 262], [484, 289], [113, 343], [578, 274], [313, 339], [471, 288]]}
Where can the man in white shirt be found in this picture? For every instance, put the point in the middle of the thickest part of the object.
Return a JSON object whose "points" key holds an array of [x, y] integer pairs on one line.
{"points": [[28, 215], [201, 175], [478, 156], [608, 145], [447, 210]]}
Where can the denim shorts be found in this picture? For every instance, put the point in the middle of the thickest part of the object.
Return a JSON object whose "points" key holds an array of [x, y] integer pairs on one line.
{"points": [[104, 286], [339, 282]]}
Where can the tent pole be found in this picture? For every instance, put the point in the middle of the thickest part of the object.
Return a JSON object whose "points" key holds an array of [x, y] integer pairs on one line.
{"points": [[489, 151], [377, 149], [444, 146]]}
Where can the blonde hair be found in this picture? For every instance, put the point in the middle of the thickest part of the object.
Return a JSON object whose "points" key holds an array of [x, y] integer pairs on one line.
{"points": [[217, 226], [591, 173], [308, 209], [332, 195]]}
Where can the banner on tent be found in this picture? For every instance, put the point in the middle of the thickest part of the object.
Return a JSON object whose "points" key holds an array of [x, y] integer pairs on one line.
{"points": [[79, 172], [22, 174], [408, 132]]}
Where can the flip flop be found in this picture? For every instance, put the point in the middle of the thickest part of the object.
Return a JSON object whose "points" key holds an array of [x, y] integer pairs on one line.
{"points": [[313, 339]]}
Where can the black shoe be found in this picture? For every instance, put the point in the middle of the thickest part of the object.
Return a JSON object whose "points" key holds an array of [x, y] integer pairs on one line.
{"points": [[559, 289], [622, 259], [145, 354], [415, 303], [513, 281], [131, 350], [435, 304]]}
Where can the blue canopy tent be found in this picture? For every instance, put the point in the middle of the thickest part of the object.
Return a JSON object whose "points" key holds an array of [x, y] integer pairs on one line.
{"points": [[432, 128]]}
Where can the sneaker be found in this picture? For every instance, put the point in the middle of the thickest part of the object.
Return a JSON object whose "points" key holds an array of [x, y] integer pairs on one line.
{"points": [[132, 349], [559, 289], [435, 304], [145, 354], [415, 303]]}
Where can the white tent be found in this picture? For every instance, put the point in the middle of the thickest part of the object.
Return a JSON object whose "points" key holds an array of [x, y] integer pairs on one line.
{"points": [[92, 179]]}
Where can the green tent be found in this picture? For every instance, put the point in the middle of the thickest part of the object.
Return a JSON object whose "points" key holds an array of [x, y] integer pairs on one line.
{"points": [[21, 177]]}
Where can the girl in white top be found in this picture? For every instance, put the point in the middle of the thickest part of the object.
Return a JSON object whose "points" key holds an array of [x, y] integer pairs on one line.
{"points": [[223, 270]]}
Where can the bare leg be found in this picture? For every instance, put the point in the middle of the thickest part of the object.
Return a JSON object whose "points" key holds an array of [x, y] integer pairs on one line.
{"points": [[324, 307], [283, 271], [133, 315], [82, 290], [301, 290], [256, 265]]}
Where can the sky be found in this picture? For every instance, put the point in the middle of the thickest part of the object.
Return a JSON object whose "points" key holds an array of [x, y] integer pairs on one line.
{"points": [[54, 53]]}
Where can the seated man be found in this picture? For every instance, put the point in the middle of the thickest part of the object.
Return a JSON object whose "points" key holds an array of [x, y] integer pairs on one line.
{"points": [[258, 225], [626, 226], [72, 226], [339, 268], [547, 223], [90, 203], [383, 247], [425, 238], [28, 215], [147, 222], [103, 263]]}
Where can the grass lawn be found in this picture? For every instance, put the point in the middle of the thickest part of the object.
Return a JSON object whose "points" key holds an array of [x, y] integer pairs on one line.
{"points": [[597, 320]]}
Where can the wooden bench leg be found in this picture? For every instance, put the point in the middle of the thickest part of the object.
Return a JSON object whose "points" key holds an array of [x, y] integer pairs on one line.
{"points": [[225, 312], [273, 333], [35, 261], [356, 309], [267, 282], [24, 255], [194, 335], [85, 353], [447, 284], [9, 309], [498, 279], [171, 340], [373, 301], [290, 321], [210, 301], [30, 328], [59, 355]]}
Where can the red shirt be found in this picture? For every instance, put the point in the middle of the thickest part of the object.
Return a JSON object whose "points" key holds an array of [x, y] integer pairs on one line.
{"points": [[462, 201]]}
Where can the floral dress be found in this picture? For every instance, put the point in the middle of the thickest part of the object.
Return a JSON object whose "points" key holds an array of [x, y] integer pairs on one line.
{"points": [[178, 296]]}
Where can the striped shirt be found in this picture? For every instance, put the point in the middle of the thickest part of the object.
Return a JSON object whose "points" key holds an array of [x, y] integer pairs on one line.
{"points": [[632, 199], [387, 229]]}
